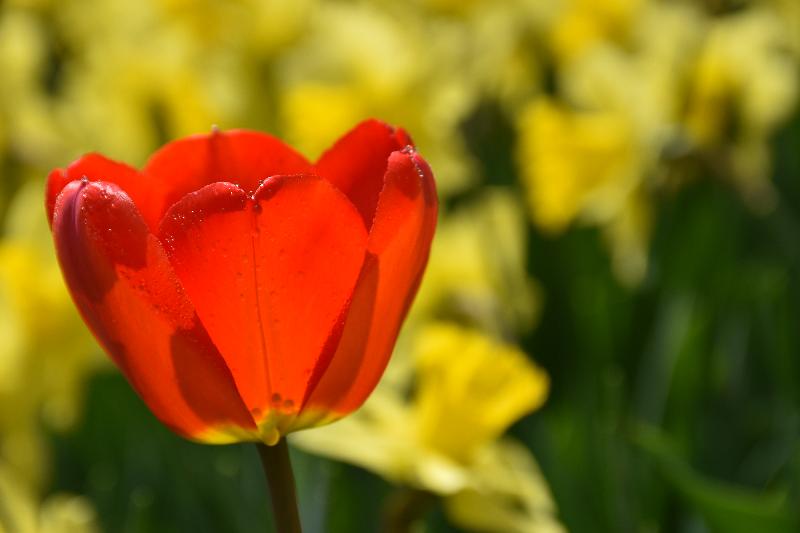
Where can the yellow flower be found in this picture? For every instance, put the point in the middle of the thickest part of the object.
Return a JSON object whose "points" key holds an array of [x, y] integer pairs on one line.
{"points": [[262, 27], [28, 126], [314, 114], [576, 164], [45, 354], [129, 78], [489, 290], [594, 153], [743, 77], [593, 167], [511, 495], [744, 85], [497, 53], [451, 6], [490, 43], [460, 408], [580, 24], [789, 12], [126, 99], [21, 511], [445, 438], [376, 62]]}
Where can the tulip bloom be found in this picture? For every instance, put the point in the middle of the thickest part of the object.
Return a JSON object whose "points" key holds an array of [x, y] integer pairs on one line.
{"points": [[243, 291]]}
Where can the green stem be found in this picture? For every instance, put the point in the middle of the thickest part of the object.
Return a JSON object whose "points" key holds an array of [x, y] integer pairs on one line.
{"points": [[278, 470], [405, 508]]}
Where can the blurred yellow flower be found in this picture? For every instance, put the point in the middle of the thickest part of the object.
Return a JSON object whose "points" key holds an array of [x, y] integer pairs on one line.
{"points": [[357, 58], [26, 119], [580, 24], [113, 103], [263, 27], [460, 408], [45, 353], [445, 439], [489, 290], [490, 42], [509, 496], [21, 511], [589, 166], [576, 164], [744, 84], [789, 12], [743, 78], [681, 81], [315, 114]]}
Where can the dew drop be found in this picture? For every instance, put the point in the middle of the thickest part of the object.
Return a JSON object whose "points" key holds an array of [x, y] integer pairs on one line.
{"points": [[288, 405], [256, 412], [276, 398]]}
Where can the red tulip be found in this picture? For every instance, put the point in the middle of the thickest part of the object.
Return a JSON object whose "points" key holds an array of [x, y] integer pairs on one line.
{"points": [[244, 292]]}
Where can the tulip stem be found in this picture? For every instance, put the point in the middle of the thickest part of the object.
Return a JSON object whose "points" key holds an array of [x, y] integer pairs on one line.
{"points": [[280, 479]]}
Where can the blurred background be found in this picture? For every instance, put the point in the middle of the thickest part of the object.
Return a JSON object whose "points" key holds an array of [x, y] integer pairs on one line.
{"points": [[608, 335]]}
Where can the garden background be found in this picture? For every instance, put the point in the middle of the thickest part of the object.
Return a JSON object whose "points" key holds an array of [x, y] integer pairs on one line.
{"points": [[608, 335]]}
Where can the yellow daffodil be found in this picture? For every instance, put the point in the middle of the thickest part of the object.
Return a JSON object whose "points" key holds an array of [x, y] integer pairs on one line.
{"points": [[45, 356], [576, 164], [574, 26], [357, 59], [264, 27], [744, 85], [509, 496], [460, 408], [21, 511], [113, 104], [26, 119], [489, 290], [446, 438]]}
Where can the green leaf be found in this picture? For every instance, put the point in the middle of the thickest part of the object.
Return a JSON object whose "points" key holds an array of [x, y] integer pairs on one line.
{"points": [[726, 508]]}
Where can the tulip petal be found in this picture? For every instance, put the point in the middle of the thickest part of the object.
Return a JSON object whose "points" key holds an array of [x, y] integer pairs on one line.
{"points": [[271, 276], [398, 246], [127, 292], [93, 167], [238, 156], [208, 236], [356, 164]]}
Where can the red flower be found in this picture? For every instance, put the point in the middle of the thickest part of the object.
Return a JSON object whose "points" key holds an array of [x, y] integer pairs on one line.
{"points": [[243, 291]]}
